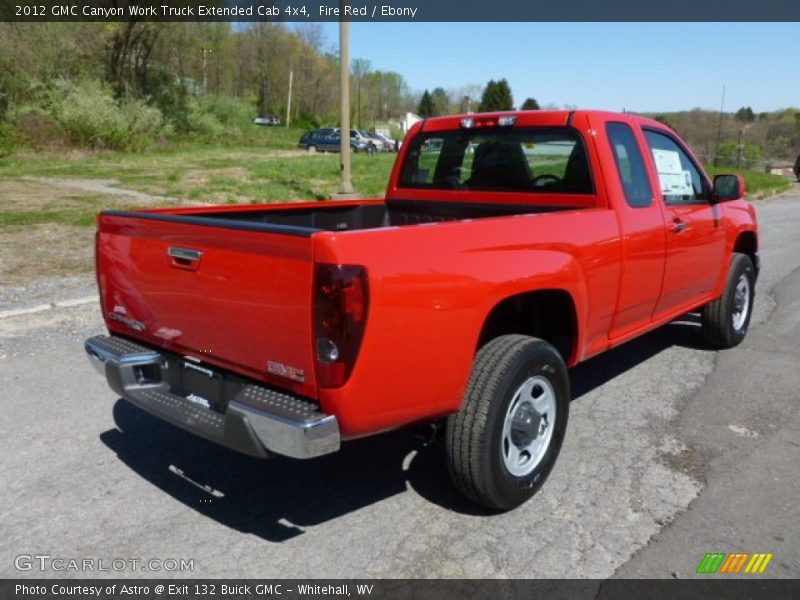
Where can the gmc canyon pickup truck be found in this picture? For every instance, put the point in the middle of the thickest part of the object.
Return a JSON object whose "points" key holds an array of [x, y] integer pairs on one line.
{"points": [[508, 248]]}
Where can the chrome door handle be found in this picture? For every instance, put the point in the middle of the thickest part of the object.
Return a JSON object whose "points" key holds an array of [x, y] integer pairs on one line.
{"points": [[184, 253], [184, 258], [678, 226]]}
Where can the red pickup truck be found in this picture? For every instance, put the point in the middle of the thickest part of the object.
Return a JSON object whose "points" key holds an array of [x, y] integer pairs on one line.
{"points": [[509, 247]]}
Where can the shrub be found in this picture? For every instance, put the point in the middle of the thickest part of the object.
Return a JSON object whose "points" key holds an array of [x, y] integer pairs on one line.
{"points": [[35, 127], [6, 139], [227, 110], [170, 96], [86, 115], [203, 124], [144, 123], [91, 117], [728, 155], [305, 122]]}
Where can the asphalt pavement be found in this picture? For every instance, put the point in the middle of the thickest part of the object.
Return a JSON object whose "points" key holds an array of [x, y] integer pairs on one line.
{"points": [[673, 450]]}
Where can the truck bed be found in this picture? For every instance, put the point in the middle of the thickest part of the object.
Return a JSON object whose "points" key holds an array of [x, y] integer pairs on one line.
{"points": [[198, 280], [372, 214]]}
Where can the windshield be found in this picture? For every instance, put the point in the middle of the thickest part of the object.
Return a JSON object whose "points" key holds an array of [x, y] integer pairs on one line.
{"points": [[546, 160]]}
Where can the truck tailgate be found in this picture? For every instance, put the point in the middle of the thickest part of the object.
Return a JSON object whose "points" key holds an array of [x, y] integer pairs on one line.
{"points": [[238, 297]]}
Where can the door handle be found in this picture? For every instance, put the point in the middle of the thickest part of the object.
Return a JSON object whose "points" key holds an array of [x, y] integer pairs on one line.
{"points": [[184, 258], [678, 225]]}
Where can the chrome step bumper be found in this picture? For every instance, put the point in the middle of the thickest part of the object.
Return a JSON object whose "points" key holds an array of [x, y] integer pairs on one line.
{"points": [[257, 420]]}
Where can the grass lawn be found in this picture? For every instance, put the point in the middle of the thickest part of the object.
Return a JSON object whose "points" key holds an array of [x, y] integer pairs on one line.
{"points": [[38, 215], [41, 208], [210, 174], [759, 184]]}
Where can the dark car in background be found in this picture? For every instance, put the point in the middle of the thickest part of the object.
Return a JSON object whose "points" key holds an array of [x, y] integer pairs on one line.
{"points": [[329, 140]]}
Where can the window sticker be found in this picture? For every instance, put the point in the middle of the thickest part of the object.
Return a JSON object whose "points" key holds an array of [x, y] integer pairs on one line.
{"points": [[674, 180]]}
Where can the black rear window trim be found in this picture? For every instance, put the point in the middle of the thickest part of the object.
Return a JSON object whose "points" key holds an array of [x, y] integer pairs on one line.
{"points": [[568, 127]]}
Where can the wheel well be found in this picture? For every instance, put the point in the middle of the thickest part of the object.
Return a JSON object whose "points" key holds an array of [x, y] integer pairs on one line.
{"points": [[747, 243], [546, 314]]}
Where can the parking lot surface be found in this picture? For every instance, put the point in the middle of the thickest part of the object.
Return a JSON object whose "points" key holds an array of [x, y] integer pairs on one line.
{"points": [[673, 450]]}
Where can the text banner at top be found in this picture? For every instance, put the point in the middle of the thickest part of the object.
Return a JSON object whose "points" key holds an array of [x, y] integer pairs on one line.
{"points": [[402, 11]]}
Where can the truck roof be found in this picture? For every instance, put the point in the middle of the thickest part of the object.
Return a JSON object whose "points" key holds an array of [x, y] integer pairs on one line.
{"points": [[542, 118]]}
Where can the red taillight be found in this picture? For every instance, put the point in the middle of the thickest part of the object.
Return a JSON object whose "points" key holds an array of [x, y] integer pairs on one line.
{"points": [[491, 121], [341, 300], [99, 278]]}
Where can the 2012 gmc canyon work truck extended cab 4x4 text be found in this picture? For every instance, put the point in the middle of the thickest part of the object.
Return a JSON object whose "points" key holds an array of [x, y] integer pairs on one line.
{"points": [[509, 247]]}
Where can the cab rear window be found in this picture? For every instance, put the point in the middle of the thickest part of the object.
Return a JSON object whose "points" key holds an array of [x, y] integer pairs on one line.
{"points": [[545, 160]]}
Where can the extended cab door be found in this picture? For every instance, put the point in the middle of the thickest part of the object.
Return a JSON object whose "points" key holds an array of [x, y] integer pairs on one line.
{"points": [[695, 230], [641, 225]]}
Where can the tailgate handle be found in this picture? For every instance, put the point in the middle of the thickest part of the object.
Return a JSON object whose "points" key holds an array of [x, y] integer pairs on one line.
{"points": [[184, 258]]}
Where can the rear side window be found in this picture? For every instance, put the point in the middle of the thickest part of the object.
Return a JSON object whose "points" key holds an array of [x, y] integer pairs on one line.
{"points": [[546, 160], [630, 165]]}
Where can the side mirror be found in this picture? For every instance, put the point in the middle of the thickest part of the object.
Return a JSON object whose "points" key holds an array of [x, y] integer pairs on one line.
{"points": [[728, 187]]}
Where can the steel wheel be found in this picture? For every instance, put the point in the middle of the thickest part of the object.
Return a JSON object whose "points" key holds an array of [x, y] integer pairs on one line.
{"points": [[528, 426], [505, 438], [726, 319], [741, 302]]}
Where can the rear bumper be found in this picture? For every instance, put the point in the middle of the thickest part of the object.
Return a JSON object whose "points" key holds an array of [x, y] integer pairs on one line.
{"points": [[258, 421]]}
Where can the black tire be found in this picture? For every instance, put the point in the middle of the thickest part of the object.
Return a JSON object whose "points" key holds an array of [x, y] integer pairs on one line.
{"points": [[719, 316], [474, 435]]}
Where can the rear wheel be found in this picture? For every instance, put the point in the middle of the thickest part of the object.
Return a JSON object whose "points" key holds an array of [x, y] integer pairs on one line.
{"points": [[727, 319], [312, 148], [503, 442]]}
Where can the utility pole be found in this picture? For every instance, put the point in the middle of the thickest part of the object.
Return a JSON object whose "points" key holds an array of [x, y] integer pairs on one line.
{"points": [[719, 128], [346, 187], [740, 146], [289, 100]]}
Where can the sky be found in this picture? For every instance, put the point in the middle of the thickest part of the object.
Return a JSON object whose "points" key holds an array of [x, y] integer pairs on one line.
{"points": [[640, 67]]}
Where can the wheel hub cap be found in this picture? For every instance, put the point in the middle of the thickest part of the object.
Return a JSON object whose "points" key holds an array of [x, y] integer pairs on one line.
{"points": [[741, 302], [528, 426], [525, 425]]}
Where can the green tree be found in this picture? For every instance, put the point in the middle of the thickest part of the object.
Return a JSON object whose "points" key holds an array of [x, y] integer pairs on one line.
{"points": [[360, 68], [385, 94], [530, 104], [425, 108], [497, 96], [441, 102], [745, 114], [665, 120], [730, 155]]}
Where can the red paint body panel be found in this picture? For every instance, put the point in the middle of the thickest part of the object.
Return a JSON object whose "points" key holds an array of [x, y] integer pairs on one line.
{"points": [[431, 285], [247, 303]]}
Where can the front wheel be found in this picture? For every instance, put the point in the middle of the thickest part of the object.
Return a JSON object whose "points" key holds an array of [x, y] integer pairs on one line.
{"points": [[503, 442], [726, 319]]}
